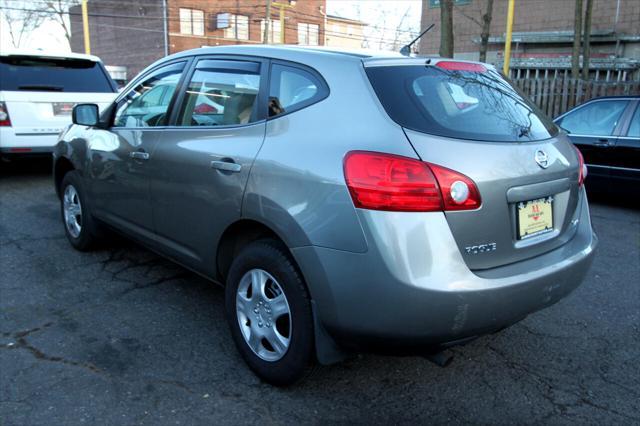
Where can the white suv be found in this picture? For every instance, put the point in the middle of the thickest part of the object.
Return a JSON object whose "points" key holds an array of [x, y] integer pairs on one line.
{"points": [[37, 93]]}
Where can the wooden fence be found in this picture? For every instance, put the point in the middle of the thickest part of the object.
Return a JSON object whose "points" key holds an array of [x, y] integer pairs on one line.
{"points": [[557, 96]]}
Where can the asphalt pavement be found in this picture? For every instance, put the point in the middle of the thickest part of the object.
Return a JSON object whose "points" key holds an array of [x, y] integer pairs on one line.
{"points": [[121, 336]]}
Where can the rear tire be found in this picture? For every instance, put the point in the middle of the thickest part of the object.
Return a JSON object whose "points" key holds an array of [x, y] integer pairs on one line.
{"points": [[80, 227], [269, 313]]}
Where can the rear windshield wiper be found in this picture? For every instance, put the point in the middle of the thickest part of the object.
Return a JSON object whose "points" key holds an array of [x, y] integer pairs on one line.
{"points": [[42, 87]]}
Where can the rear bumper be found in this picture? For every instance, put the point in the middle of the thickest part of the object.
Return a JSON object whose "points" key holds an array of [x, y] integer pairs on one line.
{"points": [[413, 290], [25, 143]]}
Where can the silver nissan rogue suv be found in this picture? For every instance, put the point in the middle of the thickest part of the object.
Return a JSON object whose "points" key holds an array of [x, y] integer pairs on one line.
{"points": [[346, 201]]}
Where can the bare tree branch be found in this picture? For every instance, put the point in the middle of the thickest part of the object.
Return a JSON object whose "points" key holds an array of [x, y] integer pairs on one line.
{"points": [[20, 20], [58, 11]]}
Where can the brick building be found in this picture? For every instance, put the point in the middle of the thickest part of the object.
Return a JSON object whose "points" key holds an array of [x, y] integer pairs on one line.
{"points": [[127, 34], [135, 33], [543, 34]]}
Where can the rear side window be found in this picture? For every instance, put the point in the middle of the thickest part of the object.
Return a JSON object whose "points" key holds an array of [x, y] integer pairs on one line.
{"points": [[478, 104], [596, 118], [34, 73], [293, 88]]}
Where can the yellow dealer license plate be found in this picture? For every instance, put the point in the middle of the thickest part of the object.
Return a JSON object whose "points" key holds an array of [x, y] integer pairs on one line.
{"points": [[535, 217]]}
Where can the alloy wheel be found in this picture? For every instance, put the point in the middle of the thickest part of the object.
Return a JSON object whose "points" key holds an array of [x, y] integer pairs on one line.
{"points": [[264, 315], [72, 211]]}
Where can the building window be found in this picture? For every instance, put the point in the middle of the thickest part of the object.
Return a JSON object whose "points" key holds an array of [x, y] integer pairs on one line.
{"points": [[350, 30], [191, 21], [238, 27], [274, 31], [308, 34]]}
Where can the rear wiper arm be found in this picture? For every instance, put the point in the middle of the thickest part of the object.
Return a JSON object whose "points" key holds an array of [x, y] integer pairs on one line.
{"points": [[42, 87]]}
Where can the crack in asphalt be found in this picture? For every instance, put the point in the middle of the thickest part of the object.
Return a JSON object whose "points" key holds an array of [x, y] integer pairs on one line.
{"points": [[149, 265], [19, 243], [20, 339], [547, 383]]}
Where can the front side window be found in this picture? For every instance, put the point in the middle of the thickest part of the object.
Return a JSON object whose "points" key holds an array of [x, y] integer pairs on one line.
{"points": [[147, 103], [238, 27], [220, 95], [292, 88], [308, 34], [191, 21], [598, 118]]}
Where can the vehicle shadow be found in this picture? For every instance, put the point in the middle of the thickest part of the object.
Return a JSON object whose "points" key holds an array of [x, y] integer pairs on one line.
{"points": [[21, 166], [612, 199]]}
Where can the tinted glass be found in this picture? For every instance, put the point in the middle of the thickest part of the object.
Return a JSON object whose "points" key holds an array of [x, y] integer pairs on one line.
{"points": [[34, 73], [459, 104], [597, 118], [634, 127], [217, 97], [291, 89], [146, 104]]}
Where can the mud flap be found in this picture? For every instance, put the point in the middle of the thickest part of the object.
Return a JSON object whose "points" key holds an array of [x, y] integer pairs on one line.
{"points": [[327, 351]]}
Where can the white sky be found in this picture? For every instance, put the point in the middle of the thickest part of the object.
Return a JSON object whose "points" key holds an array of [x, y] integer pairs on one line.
{"points": [[382, 15]]}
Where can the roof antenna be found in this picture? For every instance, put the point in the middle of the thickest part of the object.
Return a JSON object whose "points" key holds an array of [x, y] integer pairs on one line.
{"points": [[406, 49]]}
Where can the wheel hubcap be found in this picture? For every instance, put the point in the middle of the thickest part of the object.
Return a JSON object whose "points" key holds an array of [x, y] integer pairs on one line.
{"points": [[263, 315], [72, 211]]}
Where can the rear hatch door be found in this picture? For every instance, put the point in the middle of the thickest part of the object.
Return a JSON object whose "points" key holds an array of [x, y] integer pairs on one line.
{"points": [[508, 179], [468, 118]]}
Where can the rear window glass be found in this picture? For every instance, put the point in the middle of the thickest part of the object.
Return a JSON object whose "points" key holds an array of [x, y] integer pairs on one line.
{"points": [[33, 73], [458, 104]]}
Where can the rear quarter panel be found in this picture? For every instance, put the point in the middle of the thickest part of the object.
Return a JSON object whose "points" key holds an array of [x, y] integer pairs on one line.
{"points": [[297, 183]]}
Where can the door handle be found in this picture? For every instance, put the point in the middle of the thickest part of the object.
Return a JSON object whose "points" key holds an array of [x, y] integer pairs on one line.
{"points": [[602, 143], [227, 166], [139, 155]]}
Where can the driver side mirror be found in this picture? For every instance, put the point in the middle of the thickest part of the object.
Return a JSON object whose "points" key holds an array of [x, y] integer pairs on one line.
{"points": [[85, 115]]}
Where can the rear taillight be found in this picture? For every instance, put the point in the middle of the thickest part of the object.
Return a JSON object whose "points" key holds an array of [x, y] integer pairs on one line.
{"points": [[458, 191], [4, 115], [380, 181], [582, 171]]}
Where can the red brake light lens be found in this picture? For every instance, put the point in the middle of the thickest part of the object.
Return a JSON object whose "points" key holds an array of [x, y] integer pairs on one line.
{"points": [[389, 182], [380, 181], [4, 115], [582, 171], [461, 66]]}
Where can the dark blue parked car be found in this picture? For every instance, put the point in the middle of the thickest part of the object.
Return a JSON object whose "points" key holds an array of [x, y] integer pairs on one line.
{"points": [[607, 132]]}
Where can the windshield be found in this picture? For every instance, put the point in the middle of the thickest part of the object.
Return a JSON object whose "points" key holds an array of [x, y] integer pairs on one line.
{"points": [[33, 73], [478, 105]]}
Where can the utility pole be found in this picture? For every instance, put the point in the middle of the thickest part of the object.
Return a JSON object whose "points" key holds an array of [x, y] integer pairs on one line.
{"points": [[507, 41], [85, 27], [446, 28], [267, 22], [577, 34], [587, 40], [165, 28], [283, 6]]}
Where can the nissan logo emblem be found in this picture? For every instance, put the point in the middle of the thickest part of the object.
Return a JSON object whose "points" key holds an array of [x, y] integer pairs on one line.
{"points": [[542, 159]]}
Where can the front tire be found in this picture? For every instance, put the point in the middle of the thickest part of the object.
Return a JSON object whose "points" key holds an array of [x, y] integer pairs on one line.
{"points": [[269, 313], [79, 225]]}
